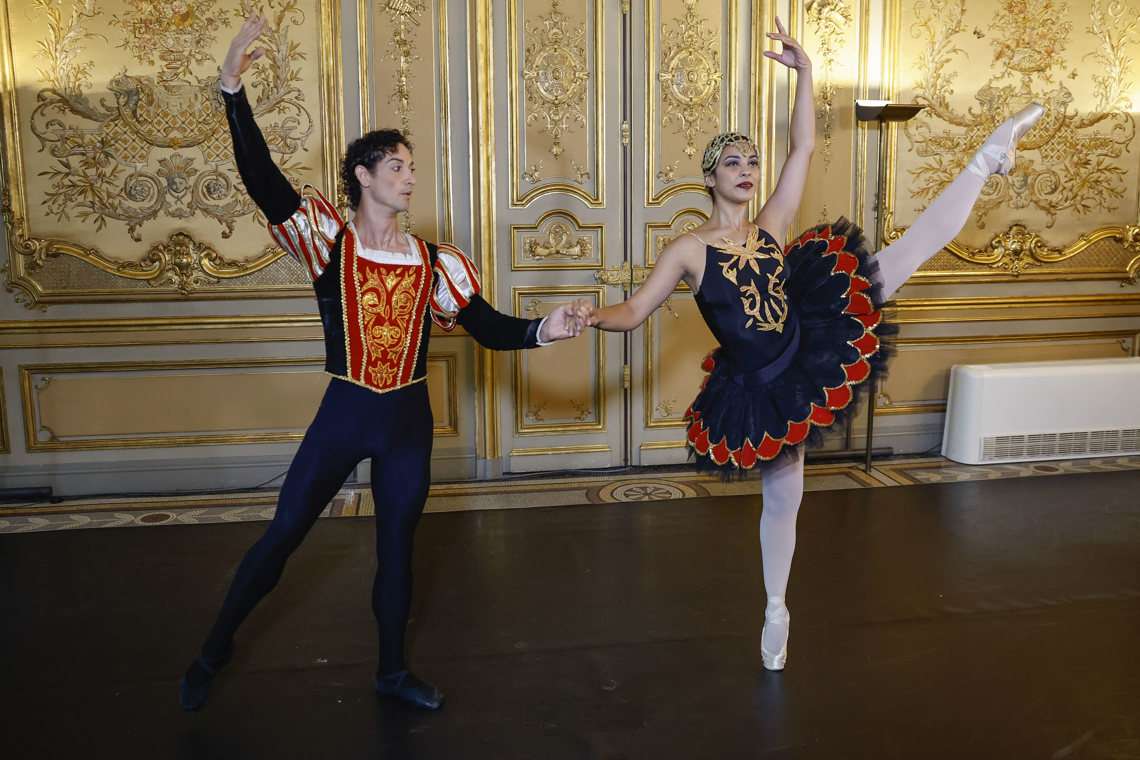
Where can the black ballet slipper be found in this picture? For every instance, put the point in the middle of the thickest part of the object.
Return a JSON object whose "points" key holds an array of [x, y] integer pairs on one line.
{"points": [[195, 685], [406, 687]]}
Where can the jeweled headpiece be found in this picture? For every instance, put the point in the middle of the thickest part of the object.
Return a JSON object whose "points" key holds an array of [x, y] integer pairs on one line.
{"points": [[718, 144]]}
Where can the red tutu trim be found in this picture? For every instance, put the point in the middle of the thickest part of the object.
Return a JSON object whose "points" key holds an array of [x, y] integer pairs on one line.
{"points": [[860, 308]]}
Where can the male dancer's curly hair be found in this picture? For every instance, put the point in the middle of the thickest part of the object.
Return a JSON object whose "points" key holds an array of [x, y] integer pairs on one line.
{"points": [[367, 150]]}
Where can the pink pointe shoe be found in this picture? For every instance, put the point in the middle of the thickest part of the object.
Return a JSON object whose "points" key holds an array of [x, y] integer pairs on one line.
{"points": [[776, 617], [997, 153]]}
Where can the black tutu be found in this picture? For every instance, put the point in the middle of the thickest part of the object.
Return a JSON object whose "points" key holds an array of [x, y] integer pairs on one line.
{"points": [[738, 420]]}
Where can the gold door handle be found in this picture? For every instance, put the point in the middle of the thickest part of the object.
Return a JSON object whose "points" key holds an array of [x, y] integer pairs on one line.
{"points": [[622, 275]]}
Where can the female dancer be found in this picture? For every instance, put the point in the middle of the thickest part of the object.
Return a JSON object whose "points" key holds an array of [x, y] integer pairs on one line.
{"points": [[376, 288], [799, 328]]}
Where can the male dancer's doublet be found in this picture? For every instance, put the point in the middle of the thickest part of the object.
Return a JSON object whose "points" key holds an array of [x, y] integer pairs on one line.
{"points": [[800, 333], [374, 305]]}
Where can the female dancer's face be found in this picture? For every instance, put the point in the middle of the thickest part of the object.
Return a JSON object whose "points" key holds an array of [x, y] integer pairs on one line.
{"points": [[736, 175], [391, 181]]}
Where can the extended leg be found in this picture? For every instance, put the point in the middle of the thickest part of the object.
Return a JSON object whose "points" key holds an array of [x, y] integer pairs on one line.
{"points": [[323, 462], [944, 218]]}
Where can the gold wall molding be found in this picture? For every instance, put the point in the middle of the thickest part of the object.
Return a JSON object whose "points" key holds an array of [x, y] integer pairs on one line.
{"points": [[156, 149], [557, 243], [830, 20], [488, 438], [530, 415], [1020, 254], [926, 311], [164, 331], [667, 412], [660, 234], [1070, 165], [560, 69], [401, 20], [447, 364], [684, 81], [591, 448], [5, 443], [39, 437], [690, 77], [761, 125], [663, 445], [403, 16], [555, 75]]}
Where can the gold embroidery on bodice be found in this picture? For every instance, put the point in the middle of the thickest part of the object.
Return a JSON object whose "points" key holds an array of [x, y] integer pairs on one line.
{"points": [[766, 310]]}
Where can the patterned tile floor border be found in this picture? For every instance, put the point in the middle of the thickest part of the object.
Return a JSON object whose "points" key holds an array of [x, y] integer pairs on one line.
{"points": [[646, 484]]}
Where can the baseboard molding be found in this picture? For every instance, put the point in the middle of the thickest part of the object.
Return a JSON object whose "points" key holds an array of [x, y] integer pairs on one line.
{"points": [[212, 475]]}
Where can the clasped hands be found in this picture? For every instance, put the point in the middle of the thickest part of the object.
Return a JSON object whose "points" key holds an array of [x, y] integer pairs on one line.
{"points": [[568, 321]]}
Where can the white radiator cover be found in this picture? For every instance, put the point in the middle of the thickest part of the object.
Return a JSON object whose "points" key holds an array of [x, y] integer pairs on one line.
{"points": [[1031, 411]]}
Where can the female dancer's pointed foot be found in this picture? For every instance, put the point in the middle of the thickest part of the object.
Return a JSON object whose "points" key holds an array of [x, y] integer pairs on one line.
{"points": [[406, 687], [194, 688], [997, 154], [774, 637]]}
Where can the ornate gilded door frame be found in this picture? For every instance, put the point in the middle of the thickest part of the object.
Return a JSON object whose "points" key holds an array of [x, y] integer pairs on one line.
{"points": [[587, 186], [551, 80]]}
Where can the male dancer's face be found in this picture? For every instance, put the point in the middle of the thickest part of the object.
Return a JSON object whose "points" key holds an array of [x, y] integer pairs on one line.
{"points": [[390, 182], [736, 174]]}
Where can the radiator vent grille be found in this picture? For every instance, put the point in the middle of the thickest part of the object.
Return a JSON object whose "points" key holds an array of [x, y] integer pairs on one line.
{"points": [[1052, 445]]}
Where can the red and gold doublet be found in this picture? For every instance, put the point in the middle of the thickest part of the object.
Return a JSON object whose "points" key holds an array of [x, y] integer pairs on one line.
{"points": [[384, 315], [375, 305]]}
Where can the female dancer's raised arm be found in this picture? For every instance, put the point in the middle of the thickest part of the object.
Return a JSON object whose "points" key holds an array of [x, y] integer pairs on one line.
{"points": [[780, 209]]}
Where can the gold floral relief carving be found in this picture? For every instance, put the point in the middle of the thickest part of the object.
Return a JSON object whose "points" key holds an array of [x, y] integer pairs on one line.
{"points": [[660, 234], [403, 17], [147, 145], [830, 21], [555, 75], [1072, 164], [557, 240], [690, 77], [160, 144], [559, 243]]}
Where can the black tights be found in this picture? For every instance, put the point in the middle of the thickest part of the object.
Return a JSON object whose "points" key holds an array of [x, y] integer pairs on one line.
{"points": [[352, 424]]}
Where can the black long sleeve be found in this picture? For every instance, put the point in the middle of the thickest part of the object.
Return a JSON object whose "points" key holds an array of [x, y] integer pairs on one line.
{"points": [[269, 188], [495, 330]]}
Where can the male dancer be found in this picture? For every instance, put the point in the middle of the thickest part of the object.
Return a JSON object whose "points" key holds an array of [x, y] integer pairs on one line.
{"points": [[375, 288]]}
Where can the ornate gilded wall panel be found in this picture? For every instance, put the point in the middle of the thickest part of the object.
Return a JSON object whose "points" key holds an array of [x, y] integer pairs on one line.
{"points": [[560, 388], [558, 240], [5, 445], [406, 62], [676, 341], [660, 234], [1075, 184], [832, 34], [443, 392], [104, 405], [120, 178], [148, 404], [692, 85], [556, 64]]}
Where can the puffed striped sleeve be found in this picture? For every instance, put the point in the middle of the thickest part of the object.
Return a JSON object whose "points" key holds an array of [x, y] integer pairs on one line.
{"points": [[309, 234], [457, 282]]}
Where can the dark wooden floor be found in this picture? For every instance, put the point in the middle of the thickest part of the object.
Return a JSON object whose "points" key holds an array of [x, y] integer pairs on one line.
{"points": [[984, 620]]}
